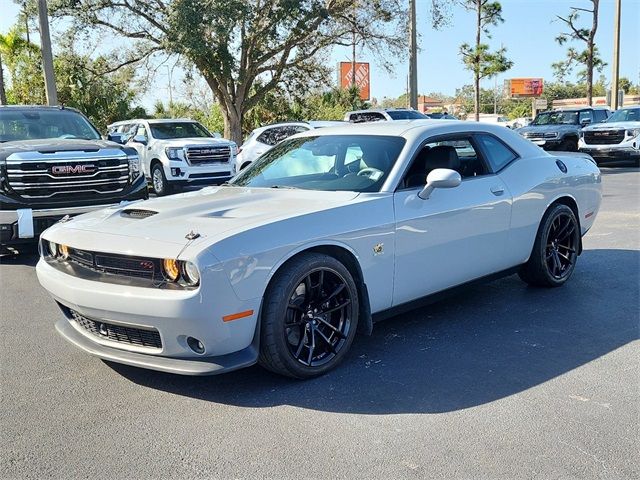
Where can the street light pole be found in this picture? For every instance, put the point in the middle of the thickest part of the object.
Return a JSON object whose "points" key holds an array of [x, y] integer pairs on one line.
{"points": [[616, 58], [47, 56], [413, 56]]}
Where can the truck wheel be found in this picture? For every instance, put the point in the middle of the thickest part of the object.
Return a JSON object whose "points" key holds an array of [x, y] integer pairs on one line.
{"points": [[569, 145], [159, 181]]}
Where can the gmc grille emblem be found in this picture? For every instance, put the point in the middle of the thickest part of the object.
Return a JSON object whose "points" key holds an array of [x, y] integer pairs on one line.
{"points": [[72, 169]]}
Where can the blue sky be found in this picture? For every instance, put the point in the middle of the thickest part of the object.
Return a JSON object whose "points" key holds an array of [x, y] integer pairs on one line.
{"points": [[528, 33]]}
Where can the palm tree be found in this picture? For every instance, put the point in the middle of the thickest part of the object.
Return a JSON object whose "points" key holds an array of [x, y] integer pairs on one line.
{"points": [[12, 44]]}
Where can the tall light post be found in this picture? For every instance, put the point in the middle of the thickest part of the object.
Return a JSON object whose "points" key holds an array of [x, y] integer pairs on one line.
{"points": [[616, 58], [413, 56], [47, 56]]}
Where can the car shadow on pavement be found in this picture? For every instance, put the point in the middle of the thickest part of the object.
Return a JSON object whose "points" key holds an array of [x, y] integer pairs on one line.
{"points": [[490, 342], [23, 255]]}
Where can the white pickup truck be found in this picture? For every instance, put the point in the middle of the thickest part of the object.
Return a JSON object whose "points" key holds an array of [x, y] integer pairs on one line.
{"points": [[178, 153]]}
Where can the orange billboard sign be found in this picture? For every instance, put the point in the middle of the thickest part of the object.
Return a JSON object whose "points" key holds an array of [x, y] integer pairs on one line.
{"points": [[362, 77], [525, 87]]}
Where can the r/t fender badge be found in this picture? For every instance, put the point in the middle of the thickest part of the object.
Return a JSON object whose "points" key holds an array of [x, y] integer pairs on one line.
{"points": [[378, 249]]}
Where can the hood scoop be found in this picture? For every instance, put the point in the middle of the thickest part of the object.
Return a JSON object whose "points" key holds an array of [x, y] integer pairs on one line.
{"points": [[138, 213]]}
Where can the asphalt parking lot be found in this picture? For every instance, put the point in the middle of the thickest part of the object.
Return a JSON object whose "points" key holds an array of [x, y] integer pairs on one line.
{"points": [[503, 381]]}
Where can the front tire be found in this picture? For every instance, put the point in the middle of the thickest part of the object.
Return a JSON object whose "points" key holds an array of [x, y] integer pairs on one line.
{"points": [[555, 250], [569, 145], [309, 317], [159, 180]]}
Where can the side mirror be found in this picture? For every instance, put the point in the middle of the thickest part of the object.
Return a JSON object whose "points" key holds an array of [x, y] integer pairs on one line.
{"points": [[584, 122], [140, 139], [116, 137], [440, 178]]}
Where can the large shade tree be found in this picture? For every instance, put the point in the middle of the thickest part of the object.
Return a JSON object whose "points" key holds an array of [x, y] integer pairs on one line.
{"points": [[245, 49]]}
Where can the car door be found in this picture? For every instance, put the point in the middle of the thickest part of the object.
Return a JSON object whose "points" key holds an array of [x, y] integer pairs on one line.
{"points": [[457, 234], [140, 131]]}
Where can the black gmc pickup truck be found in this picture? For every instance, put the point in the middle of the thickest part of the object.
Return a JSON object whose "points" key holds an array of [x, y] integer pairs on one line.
{"points": [[53, 162]]}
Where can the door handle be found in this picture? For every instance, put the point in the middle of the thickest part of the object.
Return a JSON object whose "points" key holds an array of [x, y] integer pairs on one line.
{"points": [[497, 190]]}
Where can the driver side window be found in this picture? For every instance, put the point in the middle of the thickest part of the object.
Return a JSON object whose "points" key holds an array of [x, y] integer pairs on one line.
{"points": [[455, 153]]}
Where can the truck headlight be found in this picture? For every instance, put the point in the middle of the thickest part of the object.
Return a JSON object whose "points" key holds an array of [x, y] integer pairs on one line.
{"points": [[633, 132], [175, 153], [134, 167], [234, 150], [551, 135]]}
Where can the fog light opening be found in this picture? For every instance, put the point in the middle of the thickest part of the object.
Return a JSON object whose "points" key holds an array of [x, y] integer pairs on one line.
{"points": [[196, 345]]}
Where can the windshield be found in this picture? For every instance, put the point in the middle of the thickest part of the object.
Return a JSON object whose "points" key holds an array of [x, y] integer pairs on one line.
{"points": [[358, 163], [556, 118], [406, 115], [37, 124], [625, 115], [164, 131]]}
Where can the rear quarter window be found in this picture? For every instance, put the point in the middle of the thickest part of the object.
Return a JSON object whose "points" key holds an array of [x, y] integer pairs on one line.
{"points": [[497, 153]]}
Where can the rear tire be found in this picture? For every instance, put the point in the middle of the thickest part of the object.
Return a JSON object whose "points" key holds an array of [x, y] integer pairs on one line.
{"points": [[555, 250], [309, 317]]}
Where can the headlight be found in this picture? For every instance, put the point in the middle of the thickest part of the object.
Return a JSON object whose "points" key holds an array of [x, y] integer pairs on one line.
{"points": [[175, 153], [190, 273], [234, 150], [171, 269], [53, 249], [64, 252], [633, 132], [134, 167], [551, 135]]}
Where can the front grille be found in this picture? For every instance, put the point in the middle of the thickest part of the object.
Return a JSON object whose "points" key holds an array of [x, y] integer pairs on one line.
{"points": [[117, 333], [207, 155], [136, 267], [46, 175], [603, 137], [539, 135]]}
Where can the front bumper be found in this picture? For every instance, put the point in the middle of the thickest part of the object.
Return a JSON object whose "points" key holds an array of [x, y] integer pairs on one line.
{"points": [[182, 174], [546, 143], [181, 366], [175, 315], [610, 153]]}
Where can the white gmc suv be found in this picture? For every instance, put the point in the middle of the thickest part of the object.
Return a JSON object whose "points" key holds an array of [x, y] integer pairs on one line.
{"points": [[177, 153]]}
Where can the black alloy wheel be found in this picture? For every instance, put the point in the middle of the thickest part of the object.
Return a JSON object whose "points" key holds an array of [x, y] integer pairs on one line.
{"points": [[317, 320], [562, 246], [555, 250], [309, 317]]}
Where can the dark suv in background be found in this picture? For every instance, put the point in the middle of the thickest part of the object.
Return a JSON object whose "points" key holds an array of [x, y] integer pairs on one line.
{"points": [[53, 163], [560, 129]]}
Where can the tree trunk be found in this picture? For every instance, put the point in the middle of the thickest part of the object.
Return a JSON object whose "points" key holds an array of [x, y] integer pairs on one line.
{"points": [[232, 124], [3, 93], [476, 70]]}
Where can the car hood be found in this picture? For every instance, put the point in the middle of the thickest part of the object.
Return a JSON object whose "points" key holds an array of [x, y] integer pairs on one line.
{"points": [[612, 126], [184, 142], [213, 213], [548, 128], [48, 145]]}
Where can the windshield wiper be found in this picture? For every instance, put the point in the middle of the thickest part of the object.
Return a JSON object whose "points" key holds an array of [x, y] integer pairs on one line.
{"points": [[227, 184], [284, 186]]}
